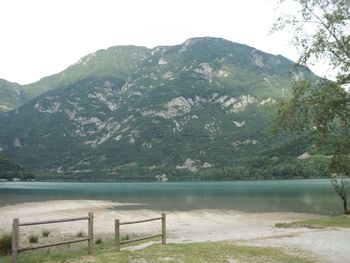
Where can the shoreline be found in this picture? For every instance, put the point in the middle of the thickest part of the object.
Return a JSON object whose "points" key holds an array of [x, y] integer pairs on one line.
{"points": [[151, 180], [202, 225], [108, 211]]}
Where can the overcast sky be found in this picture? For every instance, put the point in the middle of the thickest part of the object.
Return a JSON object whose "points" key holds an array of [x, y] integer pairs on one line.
{"points": [[41, 37]]}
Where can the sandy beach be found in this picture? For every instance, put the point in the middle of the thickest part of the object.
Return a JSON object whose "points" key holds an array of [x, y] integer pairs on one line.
{"points": [[326, 245]]}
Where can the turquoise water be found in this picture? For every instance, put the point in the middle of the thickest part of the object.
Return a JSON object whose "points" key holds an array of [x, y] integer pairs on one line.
{"points": [[311, 196]]}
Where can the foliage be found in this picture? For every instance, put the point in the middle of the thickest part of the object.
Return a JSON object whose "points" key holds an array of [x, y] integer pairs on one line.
{"points": [[321, 109], [45, 233], [125, 237], [10, 170], [33, 239], [80, 234], [5, 244], [321, 31], [322, 112], [341, 185], [337, 221]]}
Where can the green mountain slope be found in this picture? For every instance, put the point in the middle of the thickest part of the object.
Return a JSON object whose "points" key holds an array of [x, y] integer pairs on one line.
{"points": [[199, 110], [11, 95], [118, 61]]}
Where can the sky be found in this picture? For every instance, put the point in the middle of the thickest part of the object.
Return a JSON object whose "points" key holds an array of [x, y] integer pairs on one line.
{"points": [[41, 37]]}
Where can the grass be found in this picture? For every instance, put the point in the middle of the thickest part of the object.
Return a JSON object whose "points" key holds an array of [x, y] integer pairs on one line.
{"points": [[188, 253], [342, 221], [126, 237], [80, 234], [33, 239], [5, 244], [45, 233]]}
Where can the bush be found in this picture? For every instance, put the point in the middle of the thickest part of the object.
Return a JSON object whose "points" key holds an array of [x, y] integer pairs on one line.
{"points": [[33, 239], [80, 234], [126, 237], [45, 233], [98, 241], [5, 244]]}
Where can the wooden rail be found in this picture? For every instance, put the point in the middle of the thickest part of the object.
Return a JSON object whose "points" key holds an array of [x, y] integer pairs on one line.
{"points": [[54, 244], [15, 235], [54, 221], [117, 225]]}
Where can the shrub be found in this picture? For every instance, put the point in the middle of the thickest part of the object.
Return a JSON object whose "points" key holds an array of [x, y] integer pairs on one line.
{"points": [[33, 239], [5, 244], [45, 233], [98, 241], [126, 237], [80, 234]]}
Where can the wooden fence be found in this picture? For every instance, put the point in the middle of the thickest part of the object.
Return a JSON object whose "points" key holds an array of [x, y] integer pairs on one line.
{"points": [[15, 235], [117, 225]]}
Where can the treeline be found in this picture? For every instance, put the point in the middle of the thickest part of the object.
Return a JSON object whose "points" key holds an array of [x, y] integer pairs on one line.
{"points": [[10, 170], [253, 169]]}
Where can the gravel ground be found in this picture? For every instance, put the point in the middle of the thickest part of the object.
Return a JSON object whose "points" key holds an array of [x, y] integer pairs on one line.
{"points": [[328, 245]]}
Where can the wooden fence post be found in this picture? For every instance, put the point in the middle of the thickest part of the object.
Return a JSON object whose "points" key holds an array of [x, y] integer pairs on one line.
{"points": [[163, 229], [91, 233], [15, 237], [117, 234]]}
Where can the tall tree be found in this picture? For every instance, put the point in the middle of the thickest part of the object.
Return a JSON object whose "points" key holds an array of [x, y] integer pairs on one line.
{"points": [[321, 110], [320, 32]]}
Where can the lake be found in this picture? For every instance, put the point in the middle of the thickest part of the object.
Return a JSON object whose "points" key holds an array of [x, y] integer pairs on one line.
{"points": [[310, 196]]}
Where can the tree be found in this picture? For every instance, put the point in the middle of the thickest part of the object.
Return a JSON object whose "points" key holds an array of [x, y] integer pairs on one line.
{"points": [[321, 32], [321, 110]]}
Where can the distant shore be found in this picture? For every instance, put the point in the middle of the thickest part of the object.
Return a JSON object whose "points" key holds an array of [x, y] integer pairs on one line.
{"points": [[192, 226]]}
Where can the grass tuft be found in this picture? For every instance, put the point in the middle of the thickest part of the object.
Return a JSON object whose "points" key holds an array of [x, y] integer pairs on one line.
{"points": [[80, 234], [45, 233], [5, 244], [126, 237], [33, 239], [342, 221]]}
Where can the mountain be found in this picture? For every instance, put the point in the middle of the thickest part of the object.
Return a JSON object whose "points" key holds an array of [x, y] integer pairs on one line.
{"points": [[12, 95], [115, 61], [199, 110], [118, 62]]}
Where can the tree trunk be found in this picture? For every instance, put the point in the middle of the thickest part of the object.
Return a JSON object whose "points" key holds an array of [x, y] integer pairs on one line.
{"points": [[345, 205]]}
